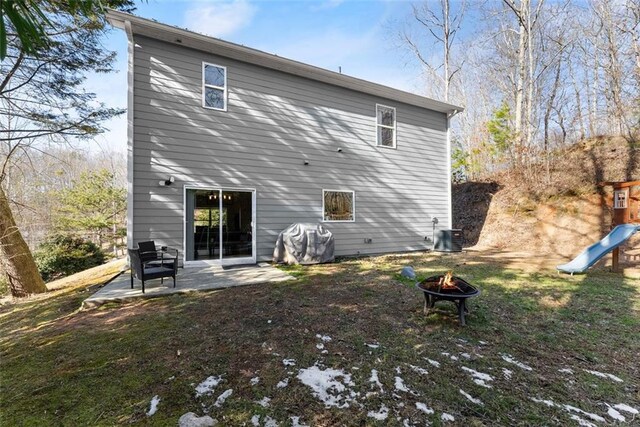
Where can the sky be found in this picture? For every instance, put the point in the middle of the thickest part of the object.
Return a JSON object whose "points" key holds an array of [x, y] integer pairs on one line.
{"points": [[360, 36]]}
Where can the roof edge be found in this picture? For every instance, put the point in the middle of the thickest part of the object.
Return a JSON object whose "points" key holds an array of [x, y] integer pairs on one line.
{"points": [[182, 37]]}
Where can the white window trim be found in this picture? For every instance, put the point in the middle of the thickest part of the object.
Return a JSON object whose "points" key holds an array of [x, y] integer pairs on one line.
{"points": [[224, 89], [626, 199], [395, 127], [353, 198]]}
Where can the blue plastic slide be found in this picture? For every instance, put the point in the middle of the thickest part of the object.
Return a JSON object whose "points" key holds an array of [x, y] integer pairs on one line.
{"points": [[593, 253]]}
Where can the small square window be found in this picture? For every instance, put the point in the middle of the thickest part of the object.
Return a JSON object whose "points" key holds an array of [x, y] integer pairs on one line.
{"points": [[338, 205], [214, 75], [214, 86], [214, 98], [620, 199], [386, 126]]}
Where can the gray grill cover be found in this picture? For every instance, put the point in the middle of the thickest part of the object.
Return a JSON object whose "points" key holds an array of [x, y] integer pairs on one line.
{"points": [[304, 244]]}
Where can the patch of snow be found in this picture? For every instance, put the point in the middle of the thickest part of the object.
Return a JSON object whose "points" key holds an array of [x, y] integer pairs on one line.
{"points": [[507, 373], [582, 422], [398, 371], [295, 422], [375, 380], [220, 400], [445, 354], [419, 370], [324, 351], [355, 368], [594, 417], [374, 345], [268, 321], [424, 408], [283, 383], [626, 408], [570, 409], [549, 403], [153, 406], [603, 375], [208, 386], [479, 378], [509, 359], [381, 415], [447, 417], [565, 371], [255, 420], [289, 362], [264, 402], [320, 346], [254, 381], [399, 384], [324, 338], [331, 386], [432, 362], [270, 422], [615, 414], [482, 342], [465, 355], [472, 399], [192, 420]]}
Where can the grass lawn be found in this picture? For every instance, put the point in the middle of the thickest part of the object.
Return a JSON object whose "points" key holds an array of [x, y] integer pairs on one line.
{"points": [[538, 349]]}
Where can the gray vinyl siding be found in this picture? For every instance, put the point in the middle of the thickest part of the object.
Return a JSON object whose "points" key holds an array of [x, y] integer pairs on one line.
{"points": [[273, 123]]}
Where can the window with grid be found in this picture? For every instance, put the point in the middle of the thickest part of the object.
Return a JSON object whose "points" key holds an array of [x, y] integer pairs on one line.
{"points": [[214, 87], [386, 126]]}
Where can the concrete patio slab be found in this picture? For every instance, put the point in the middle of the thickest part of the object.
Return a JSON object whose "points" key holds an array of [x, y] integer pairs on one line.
{"points": [[188, 280]]}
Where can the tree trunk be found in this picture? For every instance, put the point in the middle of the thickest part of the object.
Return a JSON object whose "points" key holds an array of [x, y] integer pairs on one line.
{"points": [[15, 256]]}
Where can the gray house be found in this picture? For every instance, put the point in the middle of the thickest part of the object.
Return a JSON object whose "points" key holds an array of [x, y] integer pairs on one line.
{"points": [[228, 145]]}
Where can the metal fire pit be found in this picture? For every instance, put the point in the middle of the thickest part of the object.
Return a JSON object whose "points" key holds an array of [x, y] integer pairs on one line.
{"points": [[433, 293]]}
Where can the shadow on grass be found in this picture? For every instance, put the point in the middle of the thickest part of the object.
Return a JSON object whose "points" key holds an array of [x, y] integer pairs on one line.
{"points": [[102, 367]]}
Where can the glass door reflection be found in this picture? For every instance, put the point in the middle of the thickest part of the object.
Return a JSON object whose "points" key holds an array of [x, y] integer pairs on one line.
{"points": [[237, 229]]}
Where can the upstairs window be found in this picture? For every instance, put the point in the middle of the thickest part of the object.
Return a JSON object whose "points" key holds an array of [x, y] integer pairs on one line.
{"points": [[214, 86], [386, 126], [338, 205]]}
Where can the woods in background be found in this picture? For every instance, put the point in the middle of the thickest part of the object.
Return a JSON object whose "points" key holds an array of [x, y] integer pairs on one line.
{"points": [[47, 50], [533, 76]]}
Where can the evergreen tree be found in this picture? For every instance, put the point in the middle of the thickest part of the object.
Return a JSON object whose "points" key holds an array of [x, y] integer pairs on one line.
{"points": [[48, 48], [93, 205]]}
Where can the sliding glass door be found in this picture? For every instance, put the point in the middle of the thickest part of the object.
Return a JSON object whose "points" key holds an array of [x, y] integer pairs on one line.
{"points": [[219, 225]]}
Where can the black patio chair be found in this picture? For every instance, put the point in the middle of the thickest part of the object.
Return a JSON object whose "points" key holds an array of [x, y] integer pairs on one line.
{"points": [[150, 255], [143, 271]]}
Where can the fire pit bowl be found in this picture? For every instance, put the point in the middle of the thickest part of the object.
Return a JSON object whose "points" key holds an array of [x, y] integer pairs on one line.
{"points": [[457, 290]]}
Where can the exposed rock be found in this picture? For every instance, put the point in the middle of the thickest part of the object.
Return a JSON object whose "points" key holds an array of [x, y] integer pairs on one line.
{"points": [[408, 272], [192, 420]]}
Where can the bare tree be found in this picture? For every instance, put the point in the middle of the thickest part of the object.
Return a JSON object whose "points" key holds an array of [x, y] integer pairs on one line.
{"points": [[441, 25], [42, 99]]}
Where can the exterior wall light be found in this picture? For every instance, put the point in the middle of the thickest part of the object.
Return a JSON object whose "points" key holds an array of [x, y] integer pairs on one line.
{"points": [[167, 182]]}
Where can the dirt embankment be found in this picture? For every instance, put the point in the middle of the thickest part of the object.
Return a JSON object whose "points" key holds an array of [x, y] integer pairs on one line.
{"points": [[559, 212]]}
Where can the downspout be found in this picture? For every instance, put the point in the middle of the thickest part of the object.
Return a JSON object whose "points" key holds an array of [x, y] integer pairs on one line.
{"points": [[450, 207], [130, 61]]}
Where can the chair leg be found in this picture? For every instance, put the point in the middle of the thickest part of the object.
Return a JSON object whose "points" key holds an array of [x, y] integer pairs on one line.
{"points": [[143, 286], [174, 281], [132, 279]]}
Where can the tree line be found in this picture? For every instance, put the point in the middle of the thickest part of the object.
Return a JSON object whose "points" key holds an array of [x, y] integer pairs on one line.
{"points": [[47, 48], [533, 76]]}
